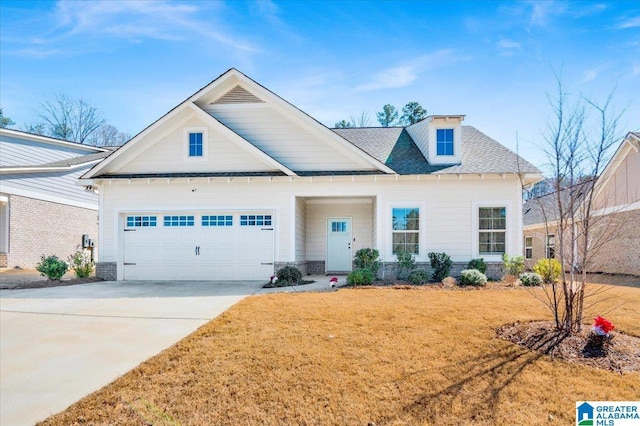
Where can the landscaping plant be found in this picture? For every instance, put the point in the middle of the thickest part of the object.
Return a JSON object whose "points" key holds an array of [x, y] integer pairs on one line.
{"points": [[368, 258], [530, 279], [418, 277], [81, 263], [360, 276], [478, 264], [548, 269], [441, 265], [52, 267], [513, 265], [288, 275], [473, 277], [405, 264]]}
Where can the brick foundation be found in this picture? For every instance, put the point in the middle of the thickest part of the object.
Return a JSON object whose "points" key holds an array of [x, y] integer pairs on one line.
{"points": [[316, 267], [108, 271], [388, 270], [302, 266]]}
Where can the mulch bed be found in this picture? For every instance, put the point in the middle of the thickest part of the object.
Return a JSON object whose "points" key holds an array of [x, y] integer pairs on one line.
{"points": [[622, 355], [47, 283]]}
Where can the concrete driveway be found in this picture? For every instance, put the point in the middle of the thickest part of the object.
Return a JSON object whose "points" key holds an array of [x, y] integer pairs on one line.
{"points": [[60, 344]]}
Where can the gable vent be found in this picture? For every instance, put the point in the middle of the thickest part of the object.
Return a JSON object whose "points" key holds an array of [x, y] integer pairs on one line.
{"points": [[237, 95]]}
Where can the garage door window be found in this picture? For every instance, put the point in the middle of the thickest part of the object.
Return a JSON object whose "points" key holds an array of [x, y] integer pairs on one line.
{"points": [[140, 221], [217, 220], [178, 221], [255, 220]]}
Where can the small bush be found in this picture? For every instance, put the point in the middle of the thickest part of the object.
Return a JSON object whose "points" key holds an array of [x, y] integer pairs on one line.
{"points": [[513, 265], [478, 264], [52, 267], [367, 258], [360, 276], [441, 265], [418, 277], [530, 279], [472, 277], [405, 264], [548, 269], [289, 275], [81, 263]]}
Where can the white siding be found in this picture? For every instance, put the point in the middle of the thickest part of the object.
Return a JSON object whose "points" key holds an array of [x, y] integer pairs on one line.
{"points": [[50, 186], [317, 214], [447, 212], [167, 155], [22, 152], [419, 132], [284, 140]]}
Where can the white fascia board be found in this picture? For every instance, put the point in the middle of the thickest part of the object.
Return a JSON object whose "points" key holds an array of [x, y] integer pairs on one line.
{"points": [[51, 198], [49, 140], [127, 146], [239, 140], [28, 169], [618, 157], [299, 117]]}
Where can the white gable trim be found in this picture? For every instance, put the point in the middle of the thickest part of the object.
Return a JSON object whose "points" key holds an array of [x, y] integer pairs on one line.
{"points": [[48, 140], [51, 198], [626, 147], [239, 140], [28, 169]]}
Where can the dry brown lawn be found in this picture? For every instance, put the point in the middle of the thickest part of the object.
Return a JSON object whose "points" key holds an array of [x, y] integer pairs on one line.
{"points": [[378, 356]]}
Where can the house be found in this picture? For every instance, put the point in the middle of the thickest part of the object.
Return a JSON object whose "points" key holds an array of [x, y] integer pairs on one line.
{"points": [[43, 210], [235, 182], [615, 239]]}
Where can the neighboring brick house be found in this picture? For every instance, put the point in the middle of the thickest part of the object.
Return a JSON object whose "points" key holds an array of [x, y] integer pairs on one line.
{"points": [[616, 207], [43, 209]]}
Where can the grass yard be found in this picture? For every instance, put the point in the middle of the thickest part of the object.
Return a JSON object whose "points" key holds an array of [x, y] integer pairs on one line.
{"points": [[378, 356]]}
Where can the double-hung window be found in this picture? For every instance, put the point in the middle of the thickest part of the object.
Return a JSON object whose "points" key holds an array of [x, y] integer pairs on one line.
{"points": [[444, 141], [551, 246], [406, 230], [492, 229], [528, 247], [195, 144]]}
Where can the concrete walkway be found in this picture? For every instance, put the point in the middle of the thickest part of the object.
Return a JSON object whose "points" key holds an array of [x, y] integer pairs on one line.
{"points": [[59, 344]]}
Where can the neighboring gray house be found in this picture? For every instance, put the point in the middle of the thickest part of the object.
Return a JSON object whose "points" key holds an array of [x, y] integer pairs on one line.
{"points": [[43, 208]]}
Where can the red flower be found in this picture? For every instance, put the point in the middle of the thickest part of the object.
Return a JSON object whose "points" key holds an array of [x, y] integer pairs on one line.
{"points": [[333, 280], [603, 324]]}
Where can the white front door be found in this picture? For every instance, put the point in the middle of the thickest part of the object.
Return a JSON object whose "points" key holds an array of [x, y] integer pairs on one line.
{"points": [[339, 245]]}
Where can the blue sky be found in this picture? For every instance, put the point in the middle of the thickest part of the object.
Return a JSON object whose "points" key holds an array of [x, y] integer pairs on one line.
{"points": [[493, 61]]}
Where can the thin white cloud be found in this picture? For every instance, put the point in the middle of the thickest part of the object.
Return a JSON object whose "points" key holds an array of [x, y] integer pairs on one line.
{"points": [[405, 74], [636, 69], [508, 44], [589, 75], [543, 11], [629, 23]]}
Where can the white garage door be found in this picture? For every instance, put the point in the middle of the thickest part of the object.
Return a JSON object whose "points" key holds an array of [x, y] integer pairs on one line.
{"points": [[199, 246]]}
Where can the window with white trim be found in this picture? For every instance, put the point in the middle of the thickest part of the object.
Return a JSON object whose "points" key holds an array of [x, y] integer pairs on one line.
{"points": [[528, 247], [195, 143], [492, 229], [217, 220], [141, 221], [170, 221], [405, 225], [551, 246], [444, 141], [255, 220]]}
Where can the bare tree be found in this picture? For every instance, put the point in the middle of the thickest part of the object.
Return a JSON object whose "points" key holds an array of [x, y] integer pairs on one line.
{"points": [[69, 120], [362, 121], [107, 135], [578, 148]]}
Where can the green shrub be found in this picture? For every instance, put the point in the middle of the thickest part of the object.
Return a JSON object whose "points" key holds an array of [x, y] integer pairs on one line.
{"points": [[472, 277], [478, 264], [513, 265], [548, 269], [367, 258], [530, 279], [52, 267], [289, 275], [81, 263], [418, 277], [405, 264], [360, 276], [441, 265]]}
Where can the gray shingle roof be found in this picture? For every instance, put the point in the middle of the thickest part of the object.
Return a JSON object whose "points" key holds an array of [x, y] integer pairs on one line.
{"points": [[77, 160], [394, 147], [545, 208]]}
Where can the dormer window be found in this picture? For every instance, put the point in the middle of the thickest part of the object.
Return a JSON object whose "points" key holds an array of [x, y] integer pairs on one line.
{"points": [[195, 143], [444, 141]]}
